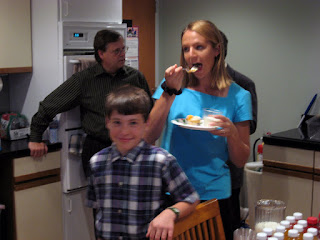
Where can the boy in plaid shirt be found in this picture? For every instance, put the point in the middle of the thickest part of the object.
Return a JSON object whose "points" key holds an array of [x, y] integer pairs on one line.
{"points": [[130, 179]]}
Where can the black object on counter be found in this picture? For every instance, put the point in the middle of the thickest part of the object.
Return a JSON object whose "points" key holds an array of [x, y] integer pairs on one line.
{"points": [[3, 235], [296, 138]]}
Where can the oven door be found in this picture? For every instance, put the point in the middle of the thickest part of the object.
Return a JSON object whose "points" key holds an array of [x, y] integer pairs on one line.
{"points": [[69, 62]]}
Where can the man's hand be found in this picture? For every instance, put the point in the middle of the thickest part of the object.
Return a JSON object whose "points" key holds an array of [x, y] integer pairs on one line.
{"points": [[37, 150], [161, 227]]}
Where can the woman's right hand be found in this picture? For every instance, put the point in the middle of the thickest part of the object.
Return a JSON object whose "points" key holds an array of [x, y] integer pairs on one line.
{"points": [[174, 77], [37, 150]]}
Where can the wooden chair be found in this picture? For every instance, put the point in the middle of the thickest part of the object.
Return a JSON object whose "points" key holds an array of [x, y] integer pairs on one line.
{"points": [[203, 224]]}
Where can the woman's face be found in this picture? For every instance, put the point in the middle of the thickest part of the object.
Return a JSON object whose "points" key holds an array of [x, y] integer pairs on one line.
{"points": [[198, 51]]}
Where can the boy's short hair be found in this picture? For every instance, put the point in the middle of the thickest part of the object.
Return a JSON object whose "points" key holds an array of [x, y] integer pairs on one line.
{"points": [[128, 100]]}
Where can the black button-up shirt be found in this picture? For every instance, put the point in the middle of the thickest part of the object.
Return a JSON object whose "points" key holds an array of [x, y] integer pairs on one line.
{"points": [[87, 89]]}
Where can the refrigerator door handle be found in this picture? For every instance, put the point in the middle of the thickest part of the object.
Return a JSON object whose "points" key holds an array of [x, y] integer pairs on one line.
{"points": [[75, 190], [70, 206]]}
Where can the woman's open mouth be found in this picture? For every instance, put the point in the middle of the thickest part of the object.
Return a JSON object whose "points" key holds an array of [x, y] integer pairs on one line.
{"points": [[198, 66]]}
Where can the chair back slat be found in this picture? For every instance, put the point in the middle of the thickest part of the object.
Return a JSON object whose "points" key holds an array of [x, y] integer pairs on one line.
{"points": [[199, 232], [188, 235], [211, 229], [203, 224], [204, 228], [193, 233]]}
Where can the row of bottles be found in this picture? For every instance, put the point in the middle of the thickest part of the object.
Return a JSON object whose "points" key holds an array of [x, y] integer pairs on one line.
{"points": [[293, 228], [292, 234]]}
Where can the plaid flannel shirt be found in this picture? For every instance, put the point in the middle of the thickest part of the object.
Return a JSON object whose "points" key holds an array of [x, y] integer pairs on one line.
{"points": [[129, 191]]}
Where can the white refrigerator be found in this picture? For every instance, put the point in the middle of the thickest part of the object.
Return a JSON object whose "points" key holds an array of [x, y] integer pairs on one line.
{"points": [[77, 218]]}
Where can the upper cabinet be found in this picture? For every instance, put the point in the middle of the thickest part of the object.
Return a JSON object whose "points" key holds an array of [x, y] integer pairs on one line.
{"points": [[15, 40], [91, 11]]}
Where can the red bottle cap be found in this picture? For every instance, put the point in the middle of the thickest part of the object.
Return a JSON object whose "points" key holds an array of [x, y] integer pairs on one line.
{"points": [[312, 220], [260, 150]]}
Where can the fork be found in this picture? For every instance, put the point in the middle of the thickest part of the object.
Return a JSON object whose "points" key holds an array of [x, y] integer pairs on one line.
{"points": [[193, 69]]}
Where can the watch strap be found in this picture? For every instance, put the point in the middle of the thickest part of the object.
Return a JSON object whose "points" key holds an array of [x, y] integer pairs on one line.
{"points": [[170, 91], [176, 211]]}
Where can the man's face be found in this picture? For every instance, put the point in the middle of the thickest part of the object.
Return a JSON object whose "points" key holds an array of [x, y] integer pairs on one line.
{"points": [[113, 58]]}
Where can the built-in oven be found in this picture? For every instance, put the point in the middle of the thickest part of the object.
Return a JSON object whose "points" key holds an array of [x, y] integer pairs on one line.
{"points": [[77, 44]]}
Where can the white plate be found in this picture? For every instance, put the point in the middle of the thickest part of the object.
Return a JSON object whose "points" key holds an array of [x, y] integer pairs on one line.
{"points": [[181, 122]]}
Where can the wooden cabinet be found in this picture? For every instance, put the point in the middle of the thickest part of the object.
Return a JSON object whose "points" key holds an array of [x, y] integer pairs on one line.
{"points": [[31, 191], [15, 41], [38, 212], [289, 174], [316, 185], [91, 11], [295, 191], [38, 197]]}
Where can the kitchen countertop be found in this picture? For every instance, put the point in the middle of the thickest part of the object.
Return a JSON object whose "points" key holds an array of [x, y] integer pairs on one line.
{"points": [[295, 138], [19, 148]]}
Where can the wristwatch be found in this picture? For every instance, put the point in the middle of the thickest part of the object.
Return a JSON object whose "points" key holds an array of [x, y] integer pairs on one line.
{"points": [[176, 211], [170, 91]]}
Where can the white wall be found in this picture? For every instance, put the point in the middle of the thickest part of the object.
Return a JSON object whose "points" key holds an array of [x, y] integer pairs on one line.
{"points": [[27, 91], [275, 43]]}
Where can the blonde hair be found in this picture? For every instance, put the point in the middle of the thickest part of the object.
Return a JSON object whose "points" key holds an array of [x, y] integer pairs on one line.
{"points": [[220, 77]]}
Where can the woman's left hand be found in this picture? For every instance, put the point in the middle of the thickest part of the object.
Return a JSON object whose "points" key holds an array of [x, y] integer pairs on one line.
{"points": [[226, 128], [238, 140]]}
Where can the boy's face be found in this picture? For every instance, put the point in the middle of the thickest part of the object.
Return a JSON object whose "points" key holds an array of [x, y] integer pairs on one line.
{"points": [[126, 131]]}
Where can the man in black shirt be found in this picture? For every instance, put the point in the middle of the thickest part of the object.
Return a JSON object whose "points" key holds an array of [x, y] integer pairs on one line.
{"points": [[237, 173], [88, 90]]}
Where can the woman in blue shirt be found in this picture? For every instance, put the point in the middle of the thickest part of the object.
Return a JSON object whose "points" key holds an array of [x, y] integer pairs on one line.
{"points": [[203, 154]]}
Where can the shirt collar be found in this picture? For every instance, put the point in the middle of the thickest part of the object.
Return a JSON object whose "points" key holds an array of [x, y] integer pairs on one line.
{"points": [[131, 156], [100, 70]]}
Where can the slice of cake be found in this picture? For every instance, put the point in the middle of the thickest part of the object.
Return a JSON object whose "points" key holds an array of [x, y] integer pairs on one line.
{"points": [[193, 120]]}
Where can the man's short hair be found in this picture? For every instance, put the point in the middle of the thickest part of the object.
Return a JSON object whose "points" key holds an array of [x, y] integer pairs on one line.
{"points": [[128, 100], [102, 39]]}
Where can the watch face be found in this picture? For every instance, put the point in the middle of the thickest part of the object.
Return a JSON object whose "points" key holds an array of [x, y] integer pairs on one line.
{"points": [[175, 210]]}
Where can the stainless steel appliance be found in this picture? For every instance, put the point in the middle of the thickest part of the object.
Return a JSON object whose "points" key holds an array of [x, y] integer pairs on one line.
{"points": [[77, 218]]}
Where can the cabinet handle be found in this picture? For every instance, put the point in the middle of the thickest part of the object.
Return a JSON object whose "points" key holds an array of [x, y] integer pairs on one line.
{"points": [[66, 9], [74, 61], [70, 206]]}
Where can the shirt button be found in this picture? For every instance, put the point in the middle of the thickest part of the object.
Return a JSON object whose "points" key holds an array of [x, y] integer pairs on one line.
{"points": [[120, 184], [119, 211]]}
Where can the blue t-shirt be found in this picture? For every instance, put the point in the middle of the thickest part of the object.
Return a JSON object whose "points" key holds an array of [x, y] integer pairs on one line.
{"points": [[201, 154]]}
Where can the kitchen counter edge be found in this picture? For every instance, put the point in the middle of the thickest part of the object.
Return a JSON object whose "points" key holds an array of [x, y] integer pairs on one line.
{"points": [[292, 138], [19, 148]]}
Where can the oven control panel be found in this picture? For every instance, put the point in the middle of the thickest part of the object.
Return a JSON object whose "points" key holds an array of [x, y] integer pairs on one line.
{"points": [[80, 36]]}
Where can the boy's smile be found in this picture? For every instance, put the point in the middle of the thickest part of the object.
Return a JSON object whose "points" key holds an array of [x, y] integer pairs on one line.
{"points": [[126, 131]]}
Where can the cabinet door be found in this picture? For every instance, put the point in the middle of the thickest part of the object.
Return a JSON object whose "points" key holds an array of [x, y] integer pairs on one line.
{"points": [[91, 11], [316, 186], [316, 197], [15, 41], [38, 212], [28, 166], [289, 158], [317, 163], [295, 191]]}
